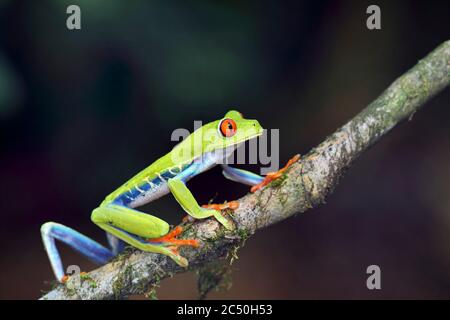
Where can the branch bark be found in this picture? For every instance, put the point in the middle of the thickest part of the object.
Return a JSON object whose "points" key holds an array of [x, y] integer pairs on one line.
{"points": [[304, 186]]}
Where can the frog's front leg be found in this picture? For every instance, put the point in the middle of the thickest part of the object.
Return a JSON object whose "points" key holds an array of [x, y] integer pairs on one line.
{"points": [[190, 205], [271, 176], [241, 176], [141, 230], [249, 178], [254, 180]]}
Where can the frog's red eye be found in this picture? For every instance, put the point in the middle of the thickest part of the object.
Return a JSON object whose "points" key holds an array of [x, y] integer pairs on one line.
{"points": [[227, 127]]}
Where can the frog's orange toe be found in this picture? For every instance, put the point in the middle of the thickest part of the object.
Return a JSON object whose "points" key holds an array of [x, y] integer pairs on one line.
{"points": [[171, 240], [233, 205], [64, 279], [274, 175]]}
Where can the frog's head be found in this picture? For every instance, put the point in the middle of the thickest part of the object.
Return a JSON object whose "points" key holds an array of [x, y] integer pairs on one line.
{"points": [[218, 135], [231, 130]]}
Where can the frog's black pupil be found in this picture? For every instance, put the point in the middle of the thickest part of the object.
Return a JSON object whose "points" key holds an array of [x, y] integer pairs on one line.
{"points": [[230, 127]]}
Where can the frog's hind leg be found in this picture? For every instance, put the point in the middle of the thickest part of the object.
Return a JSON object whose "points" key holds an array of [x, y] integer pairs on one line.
{"points": [[142, 231], [115, 244], [91, 249]]}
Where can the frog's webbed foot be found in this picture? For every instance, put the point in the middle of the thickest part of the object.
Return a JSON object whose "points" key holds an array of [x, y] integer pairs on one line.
{"points": [[169, 245], [271, 176], [171, 242], [233, 205]]}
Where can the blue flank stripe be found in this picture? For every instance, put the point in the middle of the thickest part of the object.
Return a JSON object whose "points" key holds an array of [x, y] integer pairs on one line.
{"points": [[127, 197]]}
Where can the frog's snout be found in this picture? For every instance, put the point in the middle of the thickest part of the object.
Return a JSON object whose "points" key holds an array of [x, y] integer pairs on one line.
{"points": [[257, 126]]}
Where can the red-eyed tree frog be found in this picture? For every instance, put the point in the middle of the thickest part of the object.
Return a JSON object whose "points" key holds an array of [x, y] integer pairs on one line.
{"points": [[200, 151]]}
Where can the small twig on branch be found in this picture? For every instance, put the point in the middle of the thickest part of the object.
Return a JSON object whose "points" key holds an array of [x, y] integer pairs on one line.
{"points": [[304, 186]]}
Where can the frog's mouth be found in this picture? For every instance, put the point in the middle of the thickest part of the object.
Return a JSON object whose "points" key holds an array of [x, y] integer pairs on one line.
{"points": [[256, 135]]}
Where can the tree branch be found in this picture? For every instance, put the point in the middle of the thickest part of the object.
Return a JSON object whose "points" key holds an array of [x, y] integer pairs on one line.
{"points": [[304, 186]]}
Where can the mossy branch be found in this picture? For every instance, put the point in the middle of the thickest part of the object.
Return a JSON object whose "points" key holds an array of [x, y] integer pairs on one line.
{"points": [[305, 185]]}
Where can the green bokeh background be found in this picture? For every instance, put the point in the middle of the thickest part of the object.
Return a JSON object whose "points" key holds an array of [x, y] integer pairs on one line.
{"points": [[82, 111]]}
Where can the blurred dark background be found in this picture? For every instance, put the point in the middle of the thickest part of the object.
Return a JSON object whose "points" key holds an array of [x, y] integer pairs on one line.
{"points": [[83, 111]]}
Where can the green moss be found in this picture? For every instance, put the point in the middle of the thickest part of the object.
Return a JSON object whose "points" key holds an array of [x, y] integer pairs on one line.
{"points": [[151, 293], [243, 234], [86, 277], [214, 276], [279, 181], [220, 233], [70, 291], [121, 282], [125, 254]]}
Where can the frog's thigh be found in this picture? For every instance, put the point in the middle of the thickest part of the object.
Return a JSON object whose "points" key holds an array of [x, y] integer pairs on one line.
{"points": [[130, 220], [124, 223]]}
